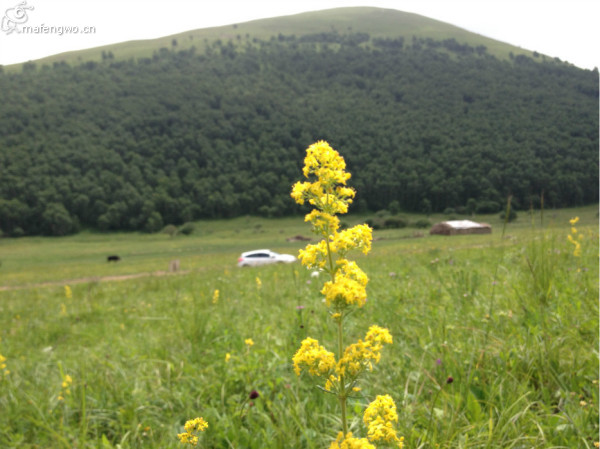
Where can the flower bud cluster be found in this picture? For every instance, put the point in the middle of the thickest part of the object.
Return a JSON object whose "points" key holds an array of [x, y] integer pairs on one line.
{"points": [[326, 190]]}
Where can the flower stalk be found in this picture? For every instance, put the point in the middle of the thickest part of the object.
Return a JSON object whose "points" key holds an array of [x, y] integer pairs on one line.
{"points": [[345, 292]]}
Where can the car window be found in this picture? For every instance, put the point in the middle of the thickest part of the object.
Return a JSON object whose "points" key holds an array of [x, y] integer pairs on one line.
{"points": [[258, 255]]}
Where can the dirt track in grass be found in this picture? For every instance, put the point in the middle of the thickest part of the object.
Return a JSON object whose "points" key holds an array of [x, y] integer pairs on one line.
{"points": [[92, 279]]}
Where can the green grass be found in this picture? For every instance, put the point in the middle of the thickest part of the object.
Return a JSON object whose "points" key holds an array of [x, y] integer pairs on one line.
{"points": [[377, 22], [147, 354]]}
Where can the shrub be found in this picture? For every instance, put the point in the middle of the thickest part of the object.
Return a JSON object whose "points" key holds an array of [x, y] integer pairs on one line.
{"points": [[187, 228], [449, 211], [374, 224], [422, 223], [487, 207], [394, 207], [154, 222], [394, 223], [17, 232], [170, 229]]}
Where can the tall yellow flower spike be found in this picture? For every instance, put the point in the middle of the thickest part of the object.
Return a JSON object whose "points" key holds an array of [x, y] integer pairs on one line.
{"points": [[571, 237], [326, 190]]}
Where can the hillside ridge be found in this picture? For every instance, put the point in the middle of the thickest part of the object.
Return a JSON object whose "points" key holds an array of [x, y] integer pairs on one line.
{"points": [[343, 20]]}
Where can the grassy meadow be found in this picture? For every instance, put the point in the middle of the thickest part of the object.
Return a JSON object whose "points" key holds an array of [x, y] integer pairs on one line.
{"points": [[495, 337]]}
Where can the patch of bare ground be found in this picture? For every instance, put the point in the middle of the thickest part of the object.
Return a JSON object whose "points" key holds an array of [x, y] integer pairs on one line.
{"points": [[90, 279]]}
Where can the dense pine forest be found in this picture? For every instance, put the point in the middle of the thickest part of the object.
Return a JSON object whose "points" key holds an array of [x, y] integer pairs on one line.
{"points": [[424, 125]]}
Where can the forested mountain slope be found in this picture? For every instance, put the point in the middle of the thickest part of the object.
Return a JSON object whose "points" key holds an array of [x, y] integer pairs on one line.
{"points": [[182, 135]]}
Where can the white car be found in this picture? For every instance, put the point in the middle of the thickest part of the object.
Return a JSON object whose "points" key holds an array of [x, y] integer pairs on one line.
{"points": [[263, 257]]}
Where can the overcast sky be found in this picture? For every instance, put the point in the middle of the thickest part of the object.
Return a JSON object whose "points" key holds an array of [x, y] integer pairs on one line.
{"points": [[567, 29]]}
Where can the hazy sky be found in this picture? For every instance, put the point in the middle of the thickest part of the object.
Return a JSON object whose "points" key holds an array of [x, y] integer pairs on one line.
{"points": [[567, 29]]}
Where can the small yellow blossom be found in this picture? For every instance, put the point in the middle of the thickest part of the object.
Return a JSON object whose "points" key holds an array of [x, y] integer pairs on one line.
{"points": [[63, 310], [577, 245], [360, 356], [191, 428], [65, 387], [332, 383], [68, 292], [215, 297], [577, 249], [67, 381], [380, 418], [357, 237], [313, 357], [258, 283], [349, 286], [3, 367], [227, 357], [249, 342], [350, 443]]}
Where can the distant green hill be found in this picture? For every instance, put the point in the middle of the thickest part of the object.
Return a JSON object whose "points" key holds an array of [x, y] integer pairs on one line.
{"points": [[214, 123], [378, 22]]}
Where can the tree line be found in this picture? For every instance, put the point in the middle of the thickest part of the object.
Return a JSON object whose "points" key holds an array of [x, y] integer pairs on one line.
{"points": [[424, 125]]}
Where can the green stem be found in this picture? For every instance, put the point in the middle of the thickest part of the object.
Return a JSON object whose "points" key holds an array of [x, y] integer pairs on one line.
{"points": [[342, 396], [431, 412]]}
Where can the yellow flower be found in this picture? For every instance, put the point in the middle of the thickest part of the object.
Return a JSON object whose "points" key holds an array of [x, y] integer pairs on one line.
{"points": [[349, 286], [5, 371], [324, 223], [350, 443], [63, 310], [332, 383], [258, 283], [67, 381], [299, 191], [357, 237], [191, 428], [249, 342], [328, 192], [198, 424], [314, 256], [361, 355], [573, 220], [68, 292], [227, 357], [215, 297], [313, 357], [380, 418], [577, 249]]}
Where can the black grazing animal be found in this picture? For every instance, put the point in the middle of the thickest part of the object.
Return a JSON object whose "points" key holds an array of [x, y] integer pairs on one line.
{"points": [[113, 258]]}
